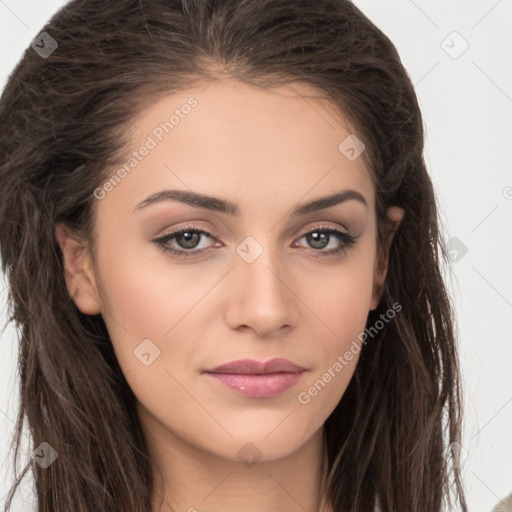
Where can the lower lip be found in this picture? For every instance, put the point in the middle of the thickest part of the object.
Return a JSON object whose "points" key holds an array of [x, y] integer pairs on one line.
{"points": [[258, 386]]}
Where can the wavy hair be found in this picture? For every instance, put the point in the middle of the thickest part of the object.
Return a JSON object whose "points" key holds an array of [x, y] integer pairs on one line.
{"points": [[391, 441]]}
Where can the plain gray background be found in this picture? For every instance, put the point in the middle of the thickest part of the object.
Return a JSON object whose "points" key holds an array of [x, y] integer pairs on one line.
{"points": [[466, 98]]}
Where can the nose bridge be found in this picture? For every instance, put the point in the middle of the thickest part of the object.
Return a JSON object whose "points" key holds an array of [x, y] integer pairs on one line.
{"points": [[262, 298]]}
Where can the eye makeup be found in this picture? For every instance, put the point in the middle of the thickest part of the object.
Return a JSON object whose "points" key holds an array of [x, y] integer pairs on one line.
{"points": [[319, 234]]}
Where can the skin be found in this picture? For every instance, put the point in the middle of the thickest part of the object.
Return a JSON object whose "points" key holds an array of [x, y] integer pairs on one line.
{"points": [[267, 151]]}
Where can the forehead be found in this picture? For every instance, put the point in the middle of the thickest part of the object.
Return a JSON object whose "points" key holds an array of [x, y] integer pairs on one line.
{"points": [[228, 138]]}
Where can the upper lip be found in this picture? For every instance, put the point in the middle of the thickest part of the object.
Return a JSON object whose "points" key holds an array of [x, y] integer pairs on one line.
{"points": [[254, 367]]}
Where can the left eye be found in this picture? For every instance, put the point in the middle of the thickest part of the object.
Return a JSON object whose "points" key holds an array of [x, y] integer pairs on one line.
{"points": [[188, 241], [320, 238]]}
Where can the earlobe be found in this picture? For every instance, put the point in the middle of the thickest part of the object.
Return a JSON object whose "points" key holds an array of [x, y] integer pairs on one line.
{"points": [[78, 269], [395, 215]]}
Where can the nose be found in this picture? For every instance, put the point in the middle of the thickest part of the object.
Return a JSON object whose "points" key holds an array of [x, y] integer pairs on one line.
{"points": [[261, 296]]}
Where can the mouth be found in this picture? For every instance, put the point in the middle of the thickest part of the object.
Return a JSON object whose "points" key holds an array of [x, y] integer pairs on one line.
{"points": [[257, 379]]}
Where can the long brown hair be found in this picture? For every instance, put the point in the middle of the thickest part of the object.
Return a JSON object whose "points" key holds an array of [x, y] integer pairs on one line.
{"points": [[65, 122]]}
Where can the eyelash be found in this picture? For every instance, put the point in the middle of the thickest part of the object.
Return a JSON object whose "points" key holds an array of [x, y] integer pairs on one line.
{"points": [[346, 239]]}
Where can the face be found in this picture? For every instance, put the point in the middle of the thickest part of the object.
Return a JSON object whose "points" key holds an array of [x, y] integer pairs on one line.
{"points": [[246, 264]]}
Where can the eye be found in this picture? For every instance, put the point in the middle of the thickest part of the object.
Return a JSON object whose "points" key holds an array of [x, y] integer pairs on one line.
{"points": [[186, 241], [187, 238], [323, 236]]}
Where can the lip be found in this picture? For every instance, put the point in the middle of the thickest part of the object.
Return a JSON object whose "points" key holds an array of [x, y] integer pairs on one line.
{"points": [[254, 367], [258, 379]]}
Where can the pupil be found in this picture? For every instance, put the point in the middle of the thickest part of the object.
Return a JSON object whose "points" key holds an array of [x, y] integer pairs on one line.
{"points": [[317, 240], [189, 237]]}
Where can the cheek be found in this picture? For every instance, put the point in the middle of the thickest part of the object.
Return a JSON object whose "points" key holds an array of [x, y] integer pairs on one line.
{"points": [[342, 301], [148, 302], [341, 296], [155, 333], [346, 300]]}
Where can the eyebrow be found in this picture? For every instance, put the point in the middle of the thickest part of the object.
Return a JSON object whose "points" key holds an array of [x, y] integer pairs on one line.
{"points": [[222, 206]]}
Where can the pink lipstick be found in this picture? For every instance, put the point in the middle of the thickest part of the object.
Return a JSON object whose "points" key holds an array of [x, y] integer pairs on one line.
{"points": [[257, 379]]}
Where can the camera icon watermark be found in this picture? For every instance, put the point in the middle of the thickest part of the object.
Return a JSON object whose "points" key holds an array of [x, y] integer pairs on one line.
{"points": [[44, 45], [146, 352], [249, 455], [454, 45], [456, 249], [249, 249], [45, 455], [455, 455], [351, 147]]}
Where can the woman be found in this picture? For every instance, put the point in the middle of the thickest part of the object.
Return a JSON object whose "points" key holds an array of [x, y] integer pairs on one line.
{"points": [[222, 247]]}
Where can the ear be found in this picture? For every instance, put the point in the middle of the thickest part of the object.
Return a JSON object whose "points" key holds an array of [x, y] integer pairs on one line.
{"points": [[79, 271], [395, 215]]}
